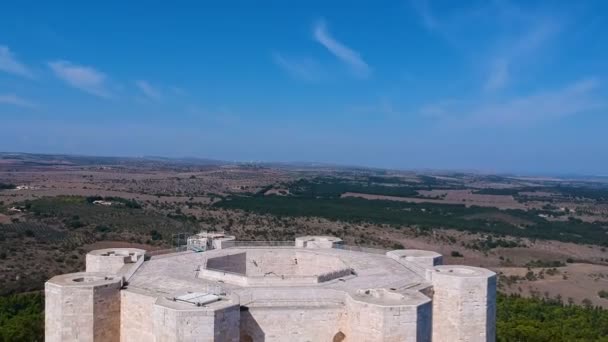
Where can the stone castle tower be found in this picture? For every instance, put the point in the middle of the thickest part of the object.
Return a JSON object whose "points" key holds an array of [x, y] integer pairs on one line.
{"points": [[313, 289]]}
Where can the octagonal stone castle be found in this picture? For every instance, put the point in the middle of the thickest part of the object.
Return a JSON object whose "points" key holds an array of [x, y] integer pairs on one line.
{"points": [[313, 289]]}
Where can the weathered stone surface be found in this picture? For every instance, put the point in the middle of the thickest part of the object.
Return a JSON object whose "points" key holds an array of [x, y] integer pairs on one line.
{"points": [[464, 304], [83, 307], [315, 291]]}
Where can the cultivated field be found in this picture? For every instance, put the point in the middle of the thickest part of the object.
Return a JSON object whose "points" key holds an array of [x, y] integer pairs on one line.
{"points": [[555, 227]]}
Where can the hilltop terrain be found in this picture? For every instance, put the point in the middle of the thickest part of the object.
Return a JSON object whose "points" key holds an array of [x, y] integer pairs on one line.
{"points": [[544, 236]]}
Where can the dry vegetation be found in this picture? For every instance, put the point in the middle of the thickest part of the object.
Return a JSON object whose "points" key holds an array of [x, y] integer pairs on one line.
{"points": [[43, 232]]}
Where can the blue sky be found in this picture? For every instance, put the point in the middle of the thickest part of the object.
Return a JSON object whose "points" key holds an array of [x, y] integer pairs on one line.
{"points": [[505, 86]]}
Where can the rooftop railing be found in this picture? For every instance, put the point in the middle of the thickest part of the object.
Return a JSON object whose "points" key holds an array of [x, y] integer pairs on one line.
{"points": [[166, 251], [234, 243], [267, 244], [362, 249]]}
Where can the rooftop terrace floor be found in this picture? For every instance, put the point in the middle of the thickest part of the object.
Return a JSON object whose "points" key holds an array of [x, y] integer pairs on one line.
{"points": [[174, 274]]}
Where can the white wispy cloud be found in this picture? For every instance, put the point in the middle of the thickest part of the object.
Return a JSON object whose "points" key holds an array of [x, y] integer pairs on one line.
{"points": [[81, 77], [516, 52], [442, 109], [220, 115], [341, 51], [576, 98], [148, 90], [498, 75], [304, 68], [515, 36], [9, 63], [178, 90], [15, 100], [423, 9], [383, 108]]}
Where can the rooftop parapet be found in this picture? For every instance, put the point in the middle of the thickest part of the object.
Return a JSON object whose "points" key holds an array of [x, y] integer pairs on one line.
{"points": [[120, 261], [277, 267], [182, 318], [208, 240], [85, 279], [419, 261], [83, 307], [318, 242]]}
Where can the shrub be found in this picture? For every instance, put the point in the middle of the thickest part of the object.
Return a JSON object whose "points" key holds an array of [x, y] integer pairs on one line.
{"points": [[456, 254], [397, 245], [156, 235], [6, 186], [102, 229]]}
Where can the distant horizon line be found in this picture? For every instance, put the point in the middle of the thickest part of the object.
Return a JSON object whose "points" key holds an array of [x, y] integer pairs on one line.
{"points": [[321, 164]]}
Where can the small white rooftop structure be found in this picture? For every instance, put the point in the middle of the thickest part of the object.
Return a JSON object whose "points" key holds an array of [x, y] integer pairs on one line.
{"points": [[204, 241], [198, 298], [101, 202]]}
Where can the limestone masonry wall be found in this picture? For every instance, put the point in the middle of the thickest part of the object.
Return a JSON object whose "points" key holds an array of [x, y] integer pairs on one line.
{"points": [[184, 322], [315, 291], [464, 304], [278, 324], [235, 263], [381, 315], [82, 307], [136, 319]]}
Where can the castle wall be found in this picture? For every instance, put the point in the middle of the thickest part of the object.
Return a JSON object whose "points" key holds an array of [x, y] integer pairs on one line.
{"points": [[291, 314], [136, 317], [235, 263], [106, 311], [261, 262], [464, 304], [124, 261], [318, 242], [108, 264], [200, 325], [82, 307], [273, 307], [420, 257], [231, 278], [291, 323], [296, 263], [227, 324], [371, 322], [311, 263]]}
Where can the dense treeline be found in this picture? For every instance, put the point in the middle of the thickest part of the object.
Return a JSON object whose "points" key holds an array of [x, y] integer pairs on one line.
{"points": [[597, 193], [540, 320], [22, 317], [7, 186], [321, 197], [423, 215], [504, 192], [334, 188]]}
